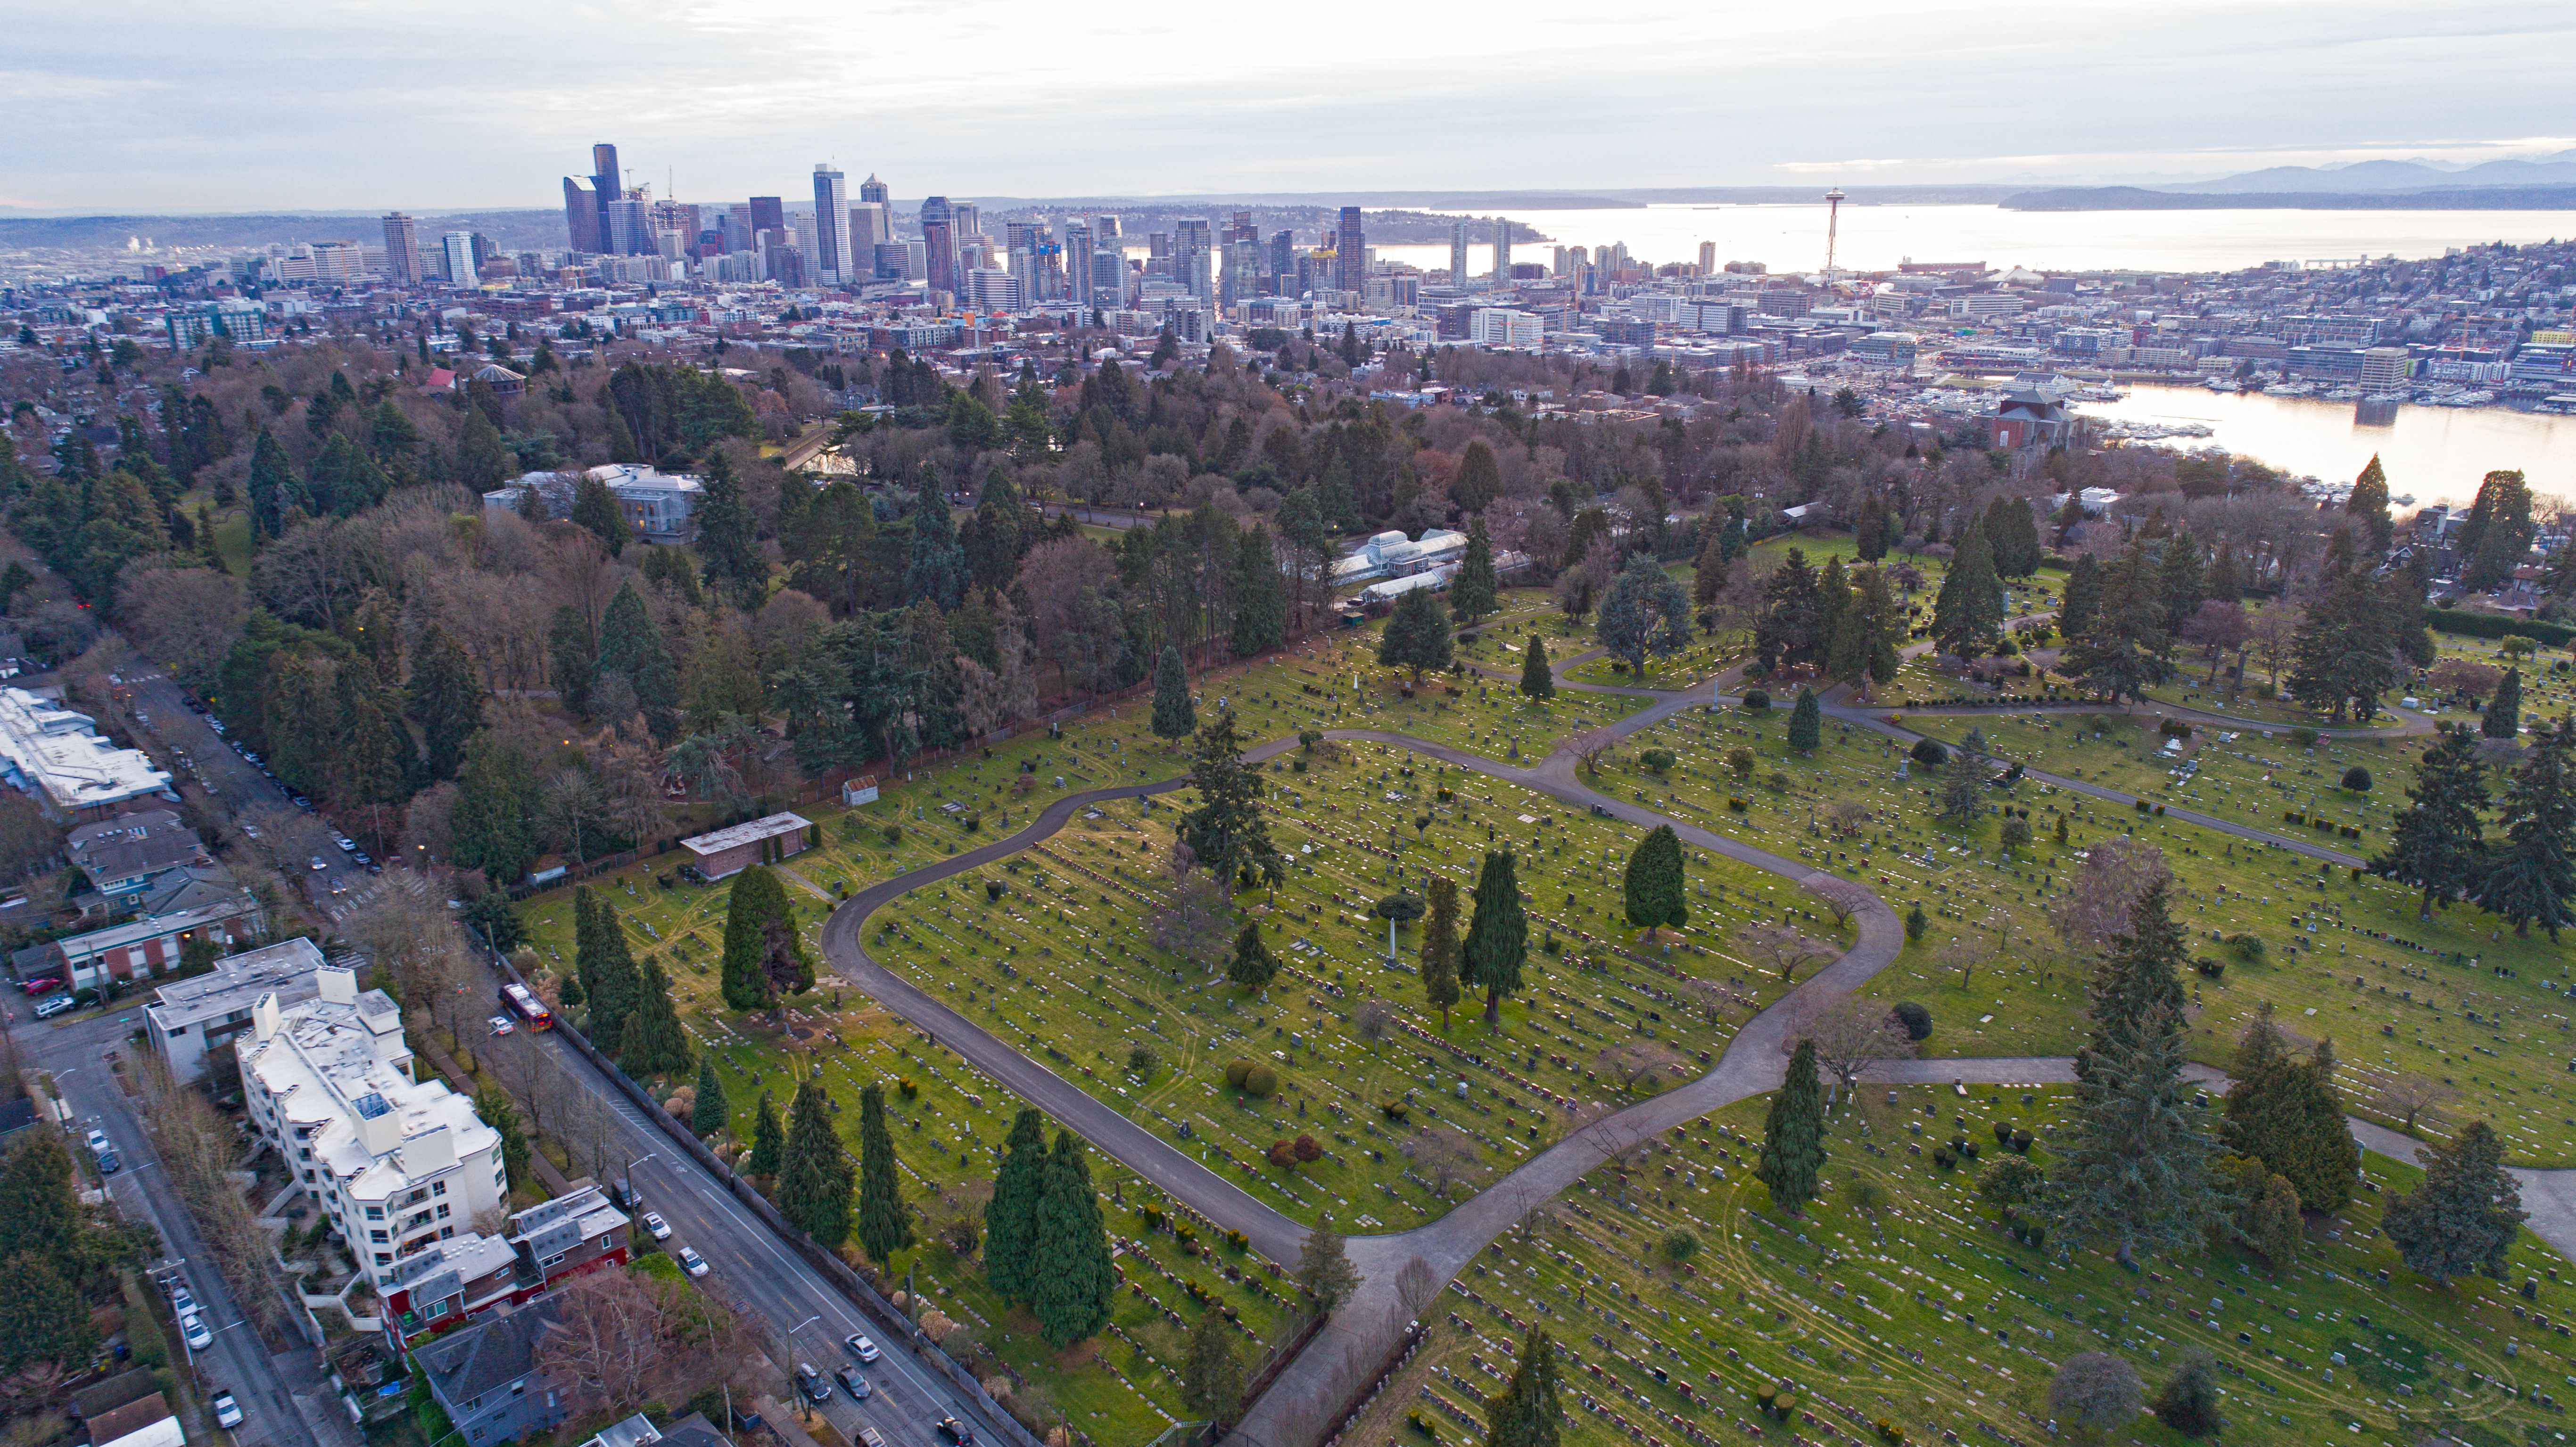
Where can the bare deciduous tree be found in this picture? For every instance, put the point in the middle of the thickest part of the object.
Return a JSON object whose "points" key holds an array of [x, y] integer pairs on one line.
{"points": [[2116, 871], [2410, 1096], [1635, 1064], [1851, 1035], [619, 1338], [1784, 948], [1416, 1285], [1446, 1155], [1845, 897]]}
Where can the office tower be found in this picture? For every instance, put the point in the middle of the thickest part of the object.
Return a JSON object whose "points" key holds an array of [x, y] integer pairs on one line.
{"points": [[1458, 252], [607, 187], [1106, 228], [831, 224], [734, 227], [402, 245], [581, 216], [939, 244], [630, 227], [1350, 253], [1708, 258], [1109, 277], [1242, 273], [768, 213], [894, 260], [1502, 254], [1192, 244], [1077, 263], [1282, 260], [871, 223], [873, 192], [456, 253], [969, 218], [1020, 235]]}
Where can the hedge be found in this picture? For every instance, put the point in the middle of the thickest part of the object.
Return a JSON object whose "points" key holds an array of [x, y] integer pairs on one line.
{"points": [[2488, 625]]}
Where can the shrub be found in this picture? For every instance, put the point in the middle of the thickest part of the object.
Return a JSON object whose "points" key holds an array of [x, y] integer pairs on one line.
{"points": [[893, 834], [1756, 701], [1261, 1082], [1282, 1154], [2209, 968], [2174, 728], [1236, 1073], [2248, 947], [2357, 779], [1657, 760], [1739, 762], [2303, 738], [907, 1087], [2095, 1389], [1929, 753], [1916, 1020], [1143, 1061], [1307, 1148], [1679, 1246]]}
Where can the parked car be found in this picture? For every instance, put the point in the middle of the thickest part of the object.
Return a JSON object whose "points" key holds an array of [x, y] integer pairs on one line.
{"points": [[360, 856], [855, 1382], [347, 845], [228, 1413], [181, 1303], [41, 984], [48, 1009], [871, 1437], [193, 1327], [695, 1264], [862, 1348], [318, 864], [97, 1140], [654, 1223], [812, 1382]]}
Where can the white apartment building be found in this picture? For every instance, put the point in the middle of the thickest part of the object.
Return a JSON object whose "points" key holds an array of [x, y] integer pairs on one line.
{"points": [[398, 1163], [1495, 326]]}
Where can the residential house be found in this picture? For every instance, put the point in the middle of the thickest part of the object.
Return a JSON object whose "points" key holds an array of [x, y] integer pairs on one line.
{"points": [[146, 948], [449, 1282], [146, 1421], [126, 855], [57, 755], [485, 1376]]}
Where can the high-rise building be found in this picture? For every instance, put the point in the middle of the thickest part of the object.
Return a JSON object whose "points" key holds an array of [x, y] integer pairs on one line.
{"points": [[1350, 253], [607, 187], [1106, 228], [1282, 260], [1502, 254], [1077, 263], [402, 247], [1242, 278], [1458, 252], [768, 213], [630, 227], [456, 252], [969, 218], [1191, 259], [831, 224], [939, 244], [1708, 258], [873, 192], [1108, 277], [871, 223], [581, 216]]}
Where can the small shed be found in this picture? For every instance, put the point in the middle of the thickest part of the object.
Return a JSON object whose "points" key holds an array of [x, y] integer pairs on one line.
{"points": [[732, 850]]}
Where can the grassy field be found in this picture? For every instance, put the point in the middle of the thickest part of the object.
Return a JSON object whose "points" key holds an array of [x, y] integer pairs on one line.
{"points": [[1900, 1298]]}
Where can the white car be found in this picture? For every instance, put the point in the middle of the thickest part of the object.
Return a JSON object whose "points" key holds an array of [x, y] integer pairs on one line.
{"points": [[228, 1413], [193, 1327], [654, 1223], [318, 864], [862, 1348], [97, 1140], [501, 1025], [181, 1302], [692, 1262]]}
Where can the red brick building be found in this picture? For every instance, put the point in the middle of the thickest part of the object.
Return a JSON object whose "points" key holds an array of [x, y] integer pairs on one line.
{"points": [[762, 841]]}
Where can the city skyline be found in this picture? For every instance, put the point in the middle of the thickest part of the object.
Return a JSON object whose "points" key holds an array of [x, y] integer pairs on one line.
{"points": [[1861, 93]]}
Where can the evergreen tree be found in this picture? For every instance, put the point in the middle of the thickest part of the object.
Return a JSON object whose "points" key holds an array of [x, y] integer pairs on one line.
{"points": [[2126, 649], [1969, 611], [595, 507], [614, 984], [345, 481], [885, 1223], [1526, 1413], [2497, 533], [1806, 723], [1870, 532], [2437, 844], [709, 1113], [276, 493], [1252, 966], [1418, 636], [1011, 1216], [653, 1042], [630, 646], [1440, 948], [1071, 1279], [2504, 713], [2189, 1401], [483, 460], [488, 824], [1173, 715], [40, 1210], [42, 1319], [1472, 592], [2139, 1171], [1654, 881], [1479, 479], [1793, 1135], [446, 696], [1226, 831], [1260, 595], [814, 1172], [2180, 581], [2463, 1216], [1833, 608], [937, 570], [1866, 642], [1538, 680], [2531, 876], [1963, 781], [2286, 1114], [2014, 535], [768, 1140], [587, 948], [1324, 1269], [1646, 612], [2083, 600], [1497, 934], [728, 537], [1785, 634], [1211, 1373], [763, 955], [2368, 505]]}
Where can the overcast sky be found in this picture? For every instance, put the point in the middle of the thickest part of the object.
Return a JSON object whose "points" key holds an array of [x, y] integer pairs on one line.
{"points": [[328, 104]]}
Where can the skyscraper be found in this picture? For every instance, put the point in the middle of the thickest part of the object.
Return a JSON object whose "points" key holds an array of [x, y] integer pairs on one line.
{"points": [[1242, 277], [1192, 245], [831, 225], [402, 246], [768, 213], [1077, 263], [1708, 258], [607, 187], [1282, 260], [1458, 252], [873, 192], [456, 250], [1350, 253], [581, 217], [1502, 254], [939, 244]]}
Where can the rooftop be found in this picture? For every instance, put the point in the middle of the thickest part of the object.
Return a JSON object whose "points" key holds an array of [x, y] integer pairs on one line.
{"points": [[82, 947], [134, 844], [285, 968], [463, 1365], [58, 752], [750, 833], [443, 1268]]}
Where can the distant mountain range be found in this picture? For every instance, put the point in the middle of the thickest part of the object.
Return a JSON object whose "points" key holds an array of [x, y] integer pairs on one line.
{"points": [[2557, 170], [2545, 184]]}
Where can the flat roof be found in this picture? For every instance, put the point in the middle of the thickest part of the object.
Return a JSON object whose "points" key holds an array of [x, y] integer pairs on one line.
{"points": [[238, 981], [101, 941], [59, 751], [750, 833]]}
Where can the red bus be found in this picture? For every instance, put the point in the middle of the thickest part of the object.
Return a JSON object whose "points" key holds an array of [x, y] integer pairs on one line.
{"points": [[524, 1004]]}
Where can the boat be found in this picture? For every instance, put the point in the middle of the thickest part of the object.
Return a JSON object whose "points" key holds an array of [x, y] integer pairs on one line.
{"points": [[2224, 384]]}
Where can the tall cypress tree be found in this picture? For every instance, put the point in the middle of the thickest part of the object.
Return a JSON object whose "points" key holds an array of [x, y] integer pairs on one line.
{"points": [[768, 1141], [653, 1042], [937, 569], [2083, 600], [885, 1223], [446, 697], [1537, 679], [1072, 1279], [1211, 1373], [710, 1113], [2531, 877], [2464, 1215], [1418, 636], [1526, 1413], [629, 644], [594, 507], [728, 538], [1226, 831], [614, 985], [1440, 949], [2286, 1114], [1833, 608], [1253, 966], [1793, 1135], [2437, 844], [276, 493], [1260, 594], [814, 1172], [1969, 611], [762, 952], [1174, 717], [1806, 723], [586, 946], [1497, 935], [1654, 886], [2504, 712], [1011, 1216], [2368, 505], [1472, 593]]}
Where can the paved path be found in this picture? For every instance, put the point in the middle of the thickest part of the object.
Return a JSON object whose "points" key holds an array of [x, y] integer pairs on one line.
{"points": [[1367, 1328]]}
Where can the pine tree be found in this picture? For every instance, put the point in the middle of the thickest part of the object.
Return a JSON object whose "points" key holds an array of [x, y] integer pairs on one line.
{"points": [[1527, 1413], [1646, 612], [1211, 1373], [1227, 832], [2083, 600], [885, 1223], [709, 1114], [937, 569], [814, 1172], [1440, 949], [594, 507], [1418, 636], [1793, 1135], [1870, 533], [1655, 890], [42, 1319], [1833, 608], [2463, 1216], [763, 954], [446, 696], [40, 1209], [488, 824], [1173, 715], [1260, 594], [2531, 876], [1479, 478], [1497, 934], [653, 1042], [2286, 1114], [614, 985], [2140, 1170], [1011, 1216], [345, 480], [1252, 967], [1969, 611], [1963, 781], [631, 646], [1324, 1268], [2437, 844], [2368, 505], [276, 493], [2189, 1401], [1537, 679], [1472, 592], [1071, 1279], [1806, 723], [2504, 712], [728, 537], [768, 1140], [2014, 536]]}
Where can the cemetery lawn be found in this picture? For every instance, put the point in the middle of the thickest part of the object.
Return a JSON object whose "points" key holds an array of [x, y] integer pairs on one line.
{"points": [[1900, 1297]]}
